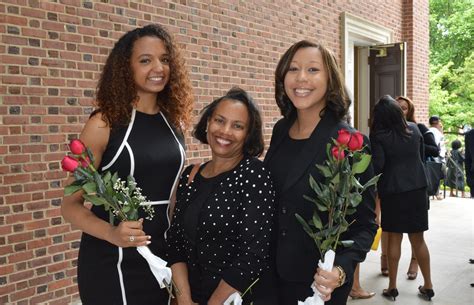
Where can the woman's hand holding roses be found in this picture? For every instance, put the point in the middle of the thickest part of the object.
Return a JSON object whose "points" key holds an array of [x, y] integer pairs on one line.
{"points": [[128, 234]]}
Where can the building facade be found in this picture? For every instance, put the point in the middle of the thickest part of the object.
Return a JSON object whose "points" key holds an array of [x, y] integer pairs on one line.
{"points": [[51, 56]]}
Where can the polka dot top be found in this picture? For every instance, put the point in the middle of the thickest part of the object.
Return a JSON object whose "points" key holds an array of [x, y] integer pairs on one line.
{"points": [[233, 230]]}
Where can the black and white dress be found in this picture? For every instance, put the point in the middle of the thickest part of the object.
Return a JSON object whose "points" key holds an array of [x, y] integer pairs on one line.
{"points": [[152, 152], [222, 227]]}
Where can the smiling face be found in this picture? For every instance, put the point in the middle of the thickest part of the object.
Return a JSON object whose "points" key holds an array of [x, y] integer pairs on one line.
{"points": [[227, 129], [150, 65], [306, 81]]}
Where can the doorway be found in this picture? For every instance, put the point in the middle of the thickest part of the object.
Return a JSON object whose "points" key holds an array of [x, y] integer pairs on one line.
{"points": [[361, 38]]}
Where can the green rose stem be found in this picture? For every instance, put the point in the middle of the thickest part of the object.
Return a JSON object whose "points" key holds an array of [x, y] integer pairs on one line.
{"points": [[100, 184]]}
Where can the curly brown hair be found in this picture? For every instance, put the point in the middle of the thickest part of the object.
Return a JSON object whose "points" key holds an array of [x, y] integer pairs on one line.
{"points": [[116, 91], [337, 98]]}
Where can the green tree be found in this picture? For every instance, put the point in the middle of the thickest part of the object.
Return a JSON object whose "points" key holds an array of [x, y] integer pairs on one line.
{"points": [[451, 31], [452, 62]]}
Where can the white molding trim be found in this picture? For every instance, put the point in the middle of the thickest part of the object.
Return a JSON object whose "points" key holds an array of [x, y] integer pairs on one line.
{"points": [[357, 32], [360, 32], [366, 29]]}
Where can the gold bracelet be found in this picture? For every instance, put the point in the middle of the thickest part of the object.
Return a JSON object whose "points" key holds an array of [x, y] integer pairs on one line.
{"points": [[342, 276]]}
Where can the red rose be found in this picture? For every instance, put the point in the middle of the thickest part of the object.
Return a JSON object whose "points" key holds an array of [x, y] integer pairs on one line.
{"points": [[343, 137], [85, 162], [77, 147], [356, 141], [69, 164], [337, 154]]}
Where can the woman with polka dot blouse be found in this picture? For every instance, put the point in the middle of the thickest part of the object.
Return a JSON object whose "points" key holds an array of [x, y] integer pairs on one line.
{"points": [[220, 233], [309, 91]]}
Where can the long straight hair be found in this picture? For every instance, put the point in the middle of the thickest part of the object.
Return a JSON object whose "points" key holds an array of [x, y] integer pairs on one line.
{"points": [[388, 116]]}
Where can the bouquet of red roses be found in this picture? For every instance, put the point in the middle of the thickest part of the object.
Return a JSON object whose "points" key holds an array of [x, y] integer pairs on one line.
{"points": [[338, 196], [122, 199]]}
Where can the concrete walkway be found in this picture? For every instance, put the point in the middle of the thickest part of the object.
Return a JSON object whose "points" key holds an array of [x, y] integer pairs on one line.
{"points": [[451, 243]]}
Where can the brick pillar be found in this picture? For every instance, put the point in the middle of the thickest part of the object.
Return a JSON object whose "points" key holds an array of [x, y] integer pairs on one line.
{"points": [[415, 31]]}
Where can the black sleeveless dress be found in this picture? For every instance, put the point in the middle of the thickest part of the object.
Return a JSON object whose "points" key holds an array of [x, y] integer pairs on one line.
{"points": [[152, 152]]}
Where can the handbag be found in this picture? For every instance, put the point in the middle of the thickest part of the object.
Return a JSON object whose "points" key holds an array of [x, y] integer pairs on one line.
{"points": [[375, 243], [434, 174]]}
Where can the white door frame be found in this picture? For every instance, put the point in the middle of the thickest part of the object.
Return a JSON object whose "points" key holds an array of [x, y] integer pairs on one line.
{"points": [[357, 32]]}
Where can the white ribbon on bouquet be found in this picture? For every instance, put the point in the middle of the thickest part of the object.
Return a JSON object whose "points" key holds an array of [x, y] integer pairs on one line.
{"points": [[327, 266], [234, 299], [157, 266]]}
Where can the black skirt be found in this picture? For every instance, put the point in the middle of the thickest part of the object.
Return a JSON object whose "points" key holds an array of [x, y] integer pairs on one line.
{"points": [[405, 212]]}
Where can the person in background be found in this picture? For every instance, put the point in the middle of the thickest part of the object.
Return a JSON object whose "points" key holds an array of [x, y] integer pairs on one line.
{"points": [[436, 127], [144, 100], [357, 292], [432, 151], [220, 234], [431, 146], [397, 150], [469, 165], [309, 90], [455, 163]]}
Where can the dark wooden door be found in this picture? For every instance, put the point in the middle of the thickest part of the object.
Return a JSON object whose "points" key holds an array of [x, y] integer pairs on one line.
{"points": [[387, 71]]}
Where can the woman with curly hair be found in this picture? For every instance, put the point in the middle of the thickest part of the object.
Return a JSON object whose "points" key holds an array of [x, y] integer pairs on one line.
{"points": [[144, 102]]}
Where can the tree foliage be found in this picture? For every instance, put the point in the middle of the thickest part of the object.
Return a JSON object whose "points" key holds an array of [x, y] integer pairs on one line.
{"points": [[452, 62]]}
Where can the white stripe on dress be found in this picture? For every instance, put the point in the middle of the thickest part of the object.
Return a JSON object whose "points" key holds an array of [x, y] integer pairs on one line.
{"points": [[132, 159], [155, 202], [119, 269], [119, 151], [178, 174], [117, 154], [132, 170]]}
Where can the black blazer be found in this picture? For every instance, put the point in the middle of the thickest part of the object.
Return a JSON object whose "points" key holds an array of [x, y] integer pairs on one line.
{"points": [[399, 160], [296, 254], [469, 142]]}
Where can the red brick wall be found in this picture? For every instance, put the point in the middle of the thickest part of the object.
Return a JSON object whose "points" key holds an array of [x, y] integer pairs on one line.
{"points": [[416, 34], [52, 54]]}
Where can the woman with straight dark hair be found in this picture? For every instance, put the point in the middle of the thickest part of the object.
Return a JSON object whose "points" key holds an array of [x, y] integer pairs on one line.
{"points": [[398, 152], [220, 234], [309, 90], [431, 151]]}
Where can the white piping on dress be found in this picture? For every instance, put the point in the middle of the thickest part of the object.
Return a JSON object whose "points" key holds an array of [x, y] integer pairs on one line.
{"points": [[119, 269], [132, 159], [132, 170], [117, 154], [119, 151], [178, 174], [156, 202]]}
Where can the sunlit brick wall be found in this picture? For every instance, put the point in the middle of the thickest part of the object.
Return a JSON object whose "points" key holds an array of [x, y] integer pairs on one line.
{"points": [[51, 55]]}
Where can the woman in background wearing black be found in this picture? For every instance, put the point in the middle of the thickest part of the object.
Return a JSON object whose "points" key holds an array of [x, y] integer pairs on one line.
{"points": [[408, 108], [431, 151], [397, 147]]}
